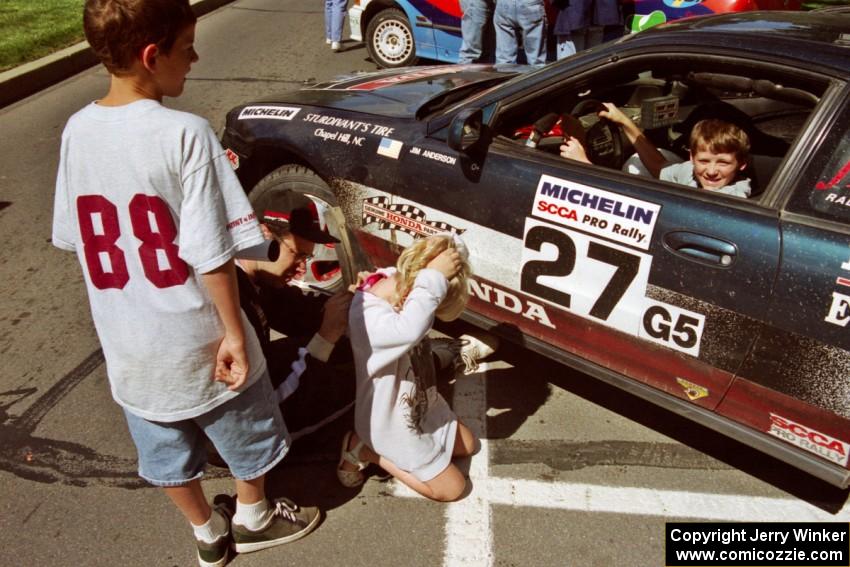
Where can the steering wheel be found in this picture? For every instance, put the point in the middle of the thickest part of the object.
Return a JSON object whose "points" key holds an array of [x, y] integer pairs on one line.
{"points": [[604, 140]]}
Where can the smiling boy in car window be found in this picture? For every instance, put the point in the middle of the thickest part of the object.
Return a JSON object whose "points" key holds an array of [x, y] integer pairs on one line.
{"points": [[719, 154]]}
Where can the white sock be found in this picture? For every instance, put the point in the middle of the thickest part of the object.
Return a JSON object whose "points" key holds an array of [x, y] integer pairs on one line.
{"points": [[252, 516], [215, 527]]}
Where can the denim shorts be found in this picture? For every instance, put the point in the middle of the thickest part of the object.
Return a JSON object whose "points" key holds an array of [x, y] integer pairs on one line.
{"points": [[247, 431]]}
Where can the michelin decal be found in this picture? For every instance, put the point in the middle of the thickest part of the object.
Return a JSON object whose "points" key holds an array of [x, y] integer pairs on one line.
{"points": [[269, 112], [598, 212]]}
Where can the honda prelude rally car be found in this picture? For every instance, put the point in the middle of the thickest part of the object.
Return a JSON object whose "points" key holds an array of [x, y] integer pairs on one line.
{"points": [[732, 312]]}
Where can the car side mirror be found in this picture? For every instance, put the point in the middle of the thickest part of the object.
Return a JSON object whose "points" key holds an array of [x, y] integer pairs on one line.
{"points": [[465, 129]]}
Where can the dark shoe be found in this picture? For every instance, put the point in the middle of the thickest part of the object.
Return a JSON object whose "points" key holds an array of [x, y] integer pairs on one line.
{"points": [[215, 554], [289, 522]]}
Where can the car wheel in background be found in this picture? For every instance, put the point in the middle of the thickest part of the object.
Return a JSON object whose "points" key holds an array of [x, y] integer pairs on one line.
{"points": [[389, 39], [323, 270]]}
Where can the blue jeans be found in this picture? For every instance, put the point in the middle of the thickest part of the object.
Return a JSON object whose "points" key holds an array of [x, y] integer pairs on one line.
{"points": [[476, 14], [520, 18], [335, 18], [248, 431]]}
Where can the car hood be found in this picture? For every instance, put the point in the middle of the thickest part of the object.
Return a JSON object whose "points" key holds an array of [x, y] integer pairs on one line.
{"points": [[399, 93]]}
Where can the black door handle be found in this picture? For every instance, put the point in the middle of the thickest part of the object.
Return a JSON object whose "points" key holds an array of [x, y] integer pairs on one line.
{"points": [[701, 248]]}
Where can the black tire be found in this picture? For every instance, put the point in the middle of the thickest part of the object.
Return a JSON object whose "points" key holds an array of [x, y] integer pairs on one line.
{"points": [[389, 39], [323, 271]]}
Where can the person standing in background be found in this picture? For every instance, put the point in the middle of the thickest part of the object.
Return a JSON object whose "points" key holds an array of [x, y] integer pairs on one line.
{"points": [[582, 24], [520, 18], [334, 19], [476, 15]]}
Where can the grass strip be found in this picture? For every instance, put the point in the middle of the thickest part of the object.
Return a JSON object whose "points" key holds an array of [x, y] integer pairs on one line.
{"points": [[30, 29]]}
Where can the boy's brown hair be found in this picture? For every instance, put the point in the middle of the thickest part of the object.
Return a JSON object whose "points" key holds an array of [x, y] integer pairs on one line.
{"points": [[118, 30], [719, 136]]}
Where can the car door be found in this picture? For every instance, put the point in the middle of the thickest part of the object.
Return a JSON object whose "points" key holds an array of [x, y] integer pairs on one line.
{"points": [[661, 284], [795, 383]]}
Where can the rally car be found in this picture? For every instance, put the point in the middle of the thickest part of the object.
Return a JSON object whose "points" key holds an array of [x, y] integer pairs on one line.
{"points": [[732, 312], [399, 32]]}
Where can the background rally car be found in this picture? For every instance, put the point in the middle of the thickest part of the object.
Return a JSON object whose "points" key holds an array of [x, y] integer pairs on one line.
{"points": [[732, 312], [397, 32]]}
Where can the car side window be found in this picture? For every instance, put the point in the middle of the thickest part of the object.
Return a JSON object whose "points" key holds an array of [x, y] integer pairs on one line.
{"points": [[591, 118], [827, 191]]}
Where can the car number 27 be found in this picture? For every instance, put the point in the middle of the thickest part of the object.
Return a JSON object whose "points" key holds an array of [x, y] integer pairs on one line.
{"points": [[603, 282]]}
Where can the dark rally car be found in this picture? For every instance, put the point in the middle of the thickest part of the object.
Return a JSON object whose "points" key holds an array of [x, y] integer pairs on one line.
{"points": [[732, 312]]}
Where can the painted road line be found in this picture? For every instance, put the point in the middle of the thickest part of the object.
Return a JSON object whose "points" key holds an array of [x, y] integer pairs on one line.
{"points": [[652, 502], [469, 533], [469, 538], [642, 501]]}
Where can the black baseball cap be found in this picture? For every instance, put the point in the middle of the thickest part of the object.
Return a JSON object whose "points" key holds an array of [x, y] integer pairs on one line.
{"points": [[295, 211]]}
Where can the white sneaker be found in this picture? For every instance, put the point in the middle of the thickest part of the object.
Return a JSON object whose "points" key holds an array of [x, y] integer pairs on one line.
{"points": [[335, 46], [476, 348], [328, 41]]}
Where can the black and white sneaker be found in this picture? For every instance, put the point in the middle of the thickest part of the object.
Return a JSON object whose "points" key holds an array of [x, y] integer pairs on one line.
{"points": [[288, 523], [215, 554]]}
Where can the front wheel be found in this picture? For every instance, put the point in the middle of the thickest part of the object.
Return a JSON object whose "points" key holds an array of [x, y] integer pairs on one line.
{"points": [[389, 39], [323, 272]]}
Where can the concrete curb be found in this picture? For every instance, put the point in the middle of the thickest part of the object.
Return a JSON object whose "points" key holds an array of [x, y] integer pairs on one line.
{"points": [[29, 78]]}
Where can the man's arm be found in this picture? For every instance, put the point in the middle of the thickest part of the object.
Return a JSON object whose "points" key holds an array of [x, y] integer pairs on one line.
{"points": [[320, 347], [232, 360]]}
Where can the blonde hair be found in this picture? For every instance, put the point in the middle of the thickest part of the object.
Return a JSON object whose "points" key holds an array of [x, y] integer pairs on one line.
{"points": [[416, 257]]}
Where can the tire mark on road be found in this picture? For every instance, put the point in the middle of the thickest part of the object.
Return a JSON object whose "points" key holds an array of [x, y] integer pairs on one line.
{"points": [[52, 461], [570, 456]]}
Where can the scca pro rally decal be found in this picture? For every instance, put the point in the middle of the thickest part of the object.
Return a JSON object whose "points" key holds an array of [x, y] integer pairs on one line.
{"points": [[809, 439], [404, 217], [592, 210], [604, 282], [269, 112]]}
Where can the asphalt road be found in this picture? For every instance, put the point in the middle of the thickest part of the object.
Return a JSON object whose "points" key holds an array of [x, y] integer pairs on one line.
{"points": [[570, 473]]}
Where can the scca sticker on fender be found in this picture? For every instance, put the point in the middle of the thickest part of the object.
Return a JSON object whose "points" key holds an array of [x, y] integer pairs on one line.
{"points": [[592, 210], [401, 216], [809, 439], [269, 112]]}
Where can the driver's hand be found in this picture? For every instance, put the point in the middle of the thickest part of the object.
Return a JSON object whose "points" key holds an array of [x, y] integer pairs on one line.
{"points": [[614, 114], [572, 149]]}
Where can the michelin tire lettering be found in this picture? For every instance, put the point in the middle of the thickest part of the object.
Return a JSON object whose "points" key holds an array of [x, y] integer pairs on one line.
{"points": [[269, 112]]}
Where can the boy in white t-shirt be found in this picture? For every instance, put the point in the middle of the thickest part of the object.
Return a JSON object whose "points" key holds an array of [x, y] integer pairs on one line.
{"points": [[147, 199]]}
